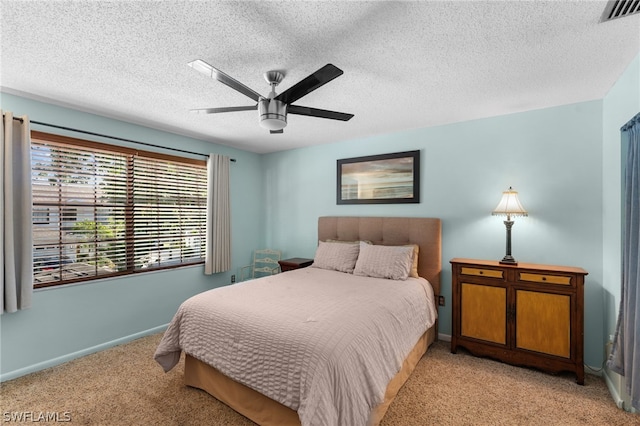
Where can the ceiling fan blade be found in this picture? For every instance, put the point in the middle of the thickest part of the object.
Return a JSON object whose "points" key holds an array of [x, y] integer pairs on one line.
{"points": [[224, 109], [315, 112], [275, 132], [206, 69], [309, 84]]}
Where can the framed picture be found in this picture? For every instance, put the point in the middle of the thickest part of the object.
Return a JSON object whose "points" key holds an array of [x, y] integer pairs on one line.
{"points": [[379, 179]]}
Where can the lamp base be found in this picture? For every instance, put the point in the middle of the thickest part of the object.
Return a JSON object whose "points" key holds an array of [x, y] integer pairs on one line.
{"points": [[508, 260]]}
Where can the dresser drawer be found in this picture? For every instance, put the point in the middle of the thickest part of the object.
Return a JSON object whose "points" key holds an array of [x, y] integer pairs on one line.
{"points": [[544, 278], [481, 272]]}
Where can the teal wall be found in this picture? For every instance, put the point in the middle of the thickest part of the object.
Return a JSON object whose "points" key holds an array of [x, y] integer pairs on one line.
{"points": [[551, 156], [564, 161], [74, 320], [620, 105]]}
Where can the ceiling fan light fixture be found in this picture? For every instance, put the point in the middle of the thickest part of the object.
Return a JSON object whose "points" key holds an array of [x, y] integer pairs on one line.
{"points": [[273, 114]]}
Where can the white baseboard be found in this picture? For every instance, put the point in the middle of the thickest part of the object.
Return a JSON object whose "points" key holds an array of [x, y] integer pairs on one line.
{"points": [[444, 337], [613, 391], [622, 401], [68, 357]]}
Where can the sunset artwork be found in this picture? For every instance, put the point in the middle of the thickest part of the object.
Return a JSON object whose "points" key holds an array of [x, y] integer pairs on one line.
{"points": [[378, 180]]}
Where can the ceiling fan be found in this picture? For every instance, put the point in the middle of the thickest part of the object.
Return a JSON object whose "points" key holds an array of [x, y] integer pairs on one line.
{"points": [[274, 108]]}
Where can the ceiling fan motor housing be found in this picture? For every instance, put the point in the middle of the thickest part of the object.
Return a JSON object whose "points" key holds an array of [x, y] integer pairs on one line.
{"points": [[273, 114]]}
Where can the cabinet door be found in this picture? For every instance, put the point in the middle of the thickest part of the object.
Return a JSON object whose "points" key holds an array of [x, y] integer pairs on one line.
{"points": [[484, 312], [543, 322]]}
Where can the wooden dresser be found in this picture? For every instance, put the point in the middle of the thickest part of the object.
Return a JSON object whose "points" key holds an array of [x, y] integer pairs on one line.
{"points": [[525, 314]]}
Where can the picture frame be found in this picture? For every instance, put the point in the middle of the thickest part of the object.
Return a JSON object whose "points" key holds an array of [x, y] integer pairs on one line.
{"points": [[379, 179]]}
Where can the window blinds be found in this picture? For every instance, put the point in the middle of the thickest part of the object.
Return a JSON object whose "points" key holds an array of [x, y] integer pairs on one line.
{"points": [[100, 210]]}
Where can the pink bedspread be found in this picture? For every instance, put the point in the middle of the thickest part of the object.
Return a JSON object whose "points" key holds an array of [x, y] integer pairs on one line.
{"points": [[322, 343]]}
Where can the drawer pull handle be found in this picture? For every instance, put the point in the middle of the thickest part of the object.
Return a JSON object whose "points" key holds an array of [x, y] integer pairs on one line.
{"points": [[544, 278], [481, 272]]}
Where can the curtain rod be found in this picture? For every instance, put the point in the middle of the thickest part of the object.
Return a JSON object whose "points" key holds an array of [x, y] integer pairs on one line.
{"points": [[114, 137], [630, 123]]}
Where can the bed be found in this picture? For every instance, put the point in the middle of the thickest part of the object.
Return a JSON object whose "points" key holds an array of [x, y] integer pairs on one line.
{"points": [[289, 365]]}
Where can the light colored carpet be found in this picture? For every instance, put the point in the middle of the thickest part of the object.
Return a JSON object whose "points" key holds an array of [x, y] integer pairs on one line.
{"points": [[125, 386]]}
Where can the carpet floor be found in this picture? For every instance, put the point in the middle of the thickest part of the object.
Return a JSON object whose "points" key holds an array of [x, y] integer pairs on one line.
{"points": [[125, 386]]}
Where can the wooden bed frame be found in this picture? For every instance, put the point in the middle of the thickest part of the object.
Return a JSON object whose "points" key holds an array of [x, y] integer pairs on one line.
{"points": [[425, 232]]}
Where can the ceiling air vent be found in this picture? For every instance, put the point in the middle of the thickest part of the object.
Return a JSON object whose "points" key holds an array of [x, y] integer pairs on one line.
{"points": [[619, 9]]}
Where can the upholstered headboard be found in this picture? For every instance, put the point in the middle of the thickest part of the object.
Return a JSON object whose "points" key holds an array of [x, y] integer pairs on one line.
{"points": [[392, 231]]}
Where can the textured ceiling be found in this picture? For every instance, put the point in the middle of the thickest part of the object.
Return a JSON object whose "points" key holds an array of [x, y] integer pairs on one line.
{"points": [[406, 64]]}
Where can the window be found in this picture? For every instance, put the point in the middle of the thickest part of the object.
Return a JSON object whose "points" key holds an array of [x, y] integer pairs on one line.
{"points": [[40, 215], [68, 217], [103, 210]]}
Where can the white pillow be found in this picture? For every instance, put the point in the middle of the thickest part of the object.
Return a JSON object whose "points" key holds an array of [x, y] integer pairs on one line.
{"points": [[393, 262], [414, 267], [336, 256]]}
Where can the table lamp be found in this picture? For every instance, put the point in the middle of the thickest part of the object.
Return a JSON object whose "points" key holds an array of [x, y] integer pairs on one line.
{"points": [[510, 206]]}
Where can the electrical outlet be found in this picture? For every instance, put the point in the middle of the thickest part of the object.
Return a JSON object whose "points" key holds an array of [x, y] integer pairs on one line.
{"points": [[233, 279], [440, 300]]}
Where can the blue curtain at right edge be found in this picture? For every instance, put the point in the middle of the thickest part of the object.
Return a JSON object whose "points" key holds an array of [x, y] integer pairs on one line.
{"points": [[625, 356]]}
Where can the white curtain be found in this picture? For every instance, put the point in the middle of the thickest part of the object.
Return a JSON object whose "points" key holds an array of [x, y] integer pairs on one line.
{"points": [[625, 356], [218, 248], [16, 250]]}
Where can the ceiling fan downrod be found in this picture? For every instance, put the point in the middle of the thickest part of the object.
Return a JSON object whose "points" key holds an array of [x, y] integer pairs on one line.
{"points": [[273, 113]]}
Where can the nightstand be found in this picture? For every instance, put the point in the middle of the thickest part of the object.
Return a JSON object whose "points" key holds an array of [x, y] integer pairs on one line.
{"points": [[294, 263]]}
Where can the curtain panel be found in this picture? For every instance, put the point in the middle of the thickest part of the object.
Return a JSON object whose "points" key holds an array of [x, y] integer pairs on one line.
{"points": [[218, 238], [625, 356], [17, 238]]}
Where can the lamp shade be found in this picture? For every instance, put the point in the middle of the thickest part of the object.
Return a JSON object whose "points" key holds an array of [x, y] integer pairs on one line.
{"points": [[509, 205]]}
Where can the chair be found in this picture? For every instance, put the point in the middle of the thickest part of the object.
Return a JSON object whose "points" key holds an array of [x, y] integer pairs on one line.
{"points": [[265, 262]]}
